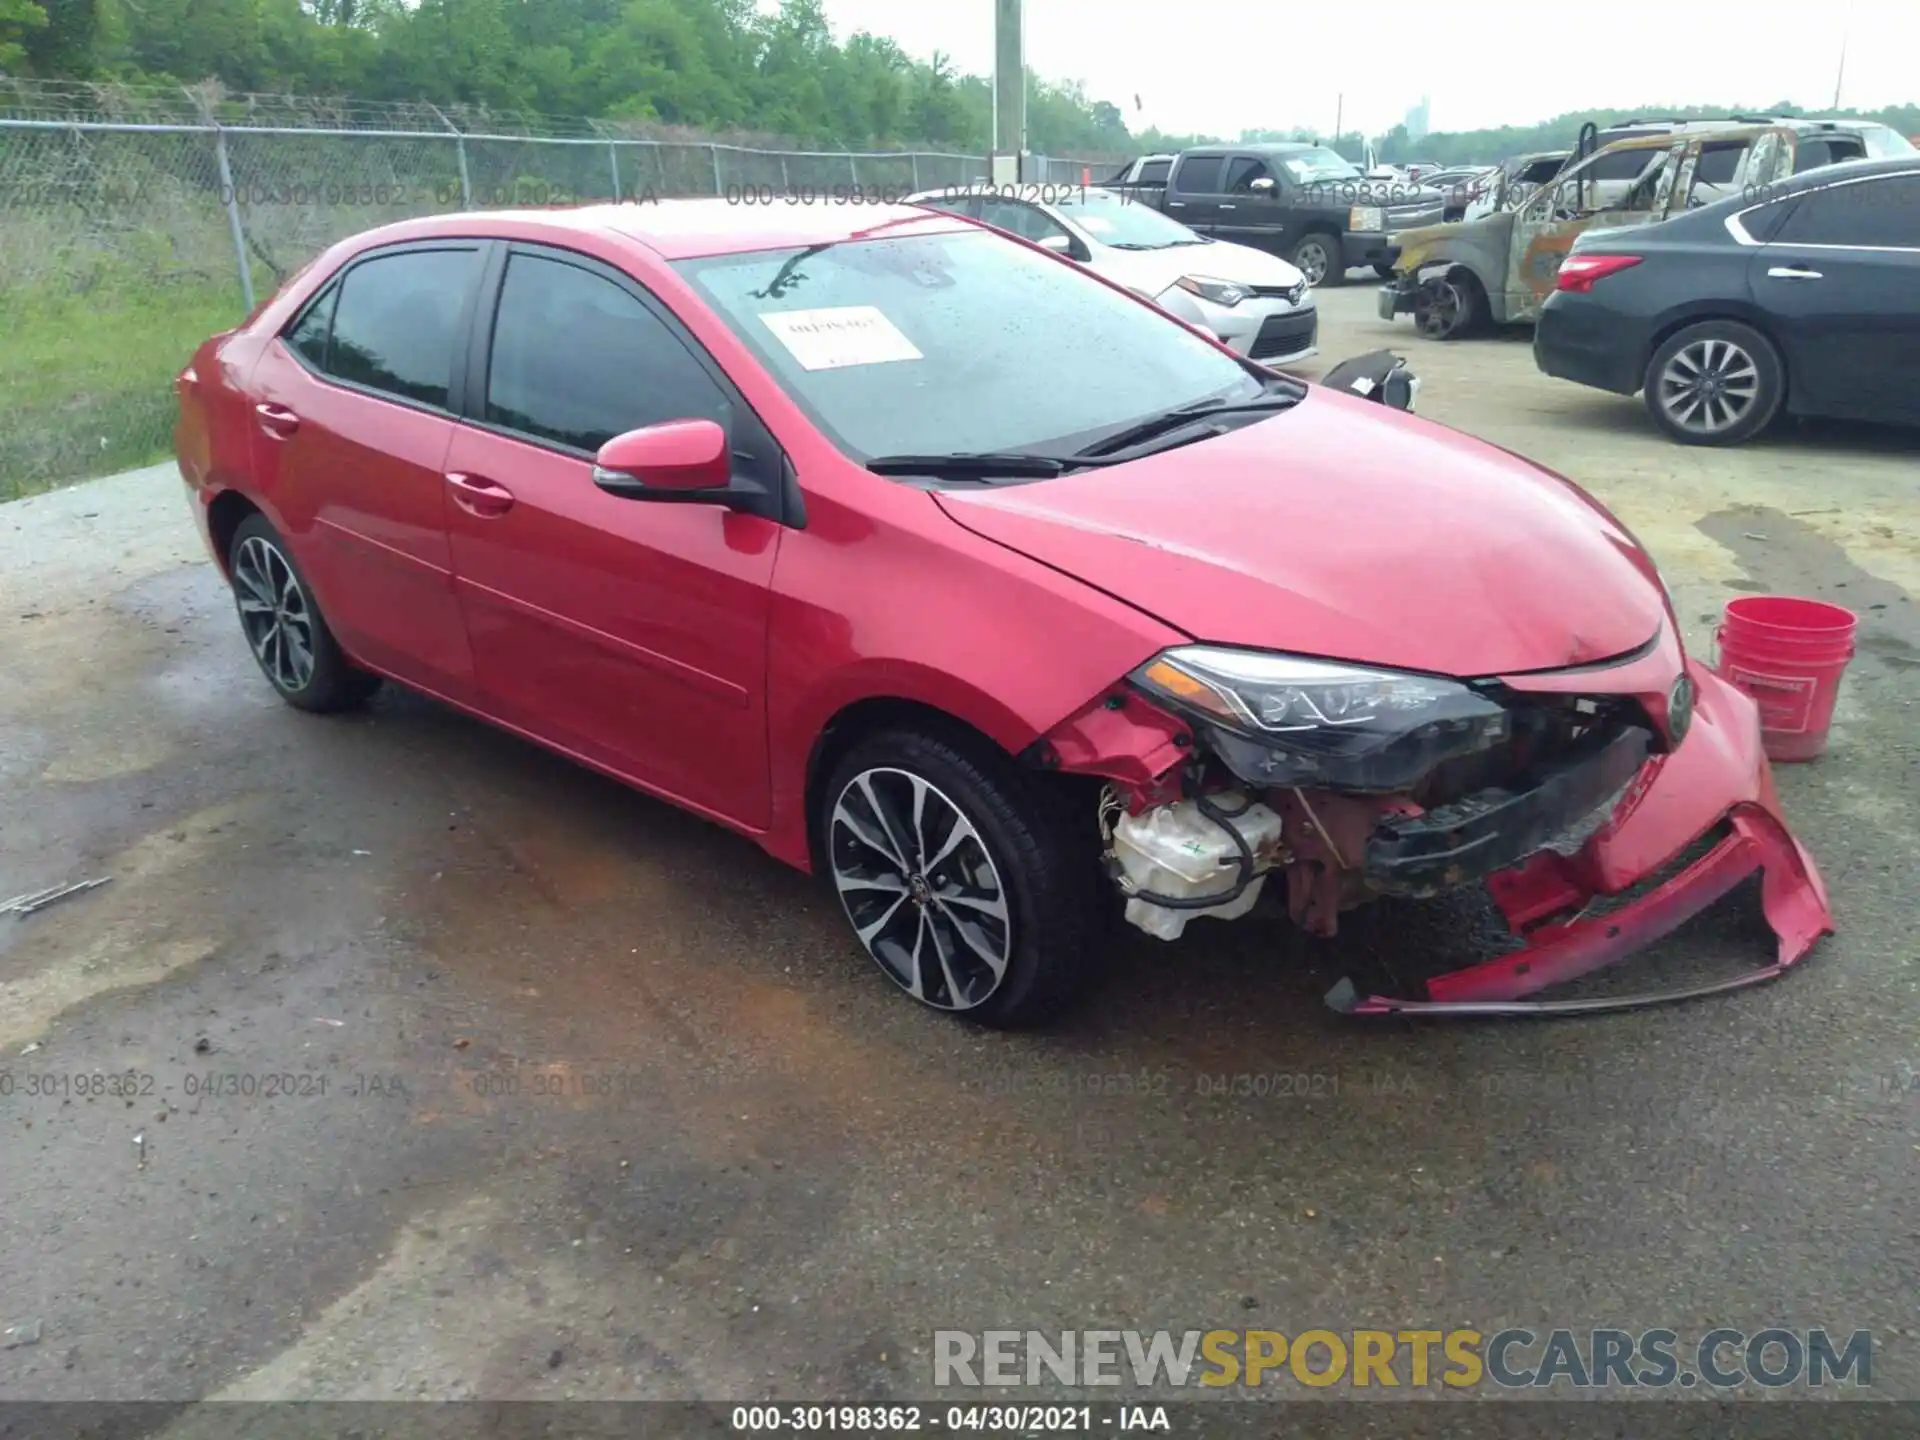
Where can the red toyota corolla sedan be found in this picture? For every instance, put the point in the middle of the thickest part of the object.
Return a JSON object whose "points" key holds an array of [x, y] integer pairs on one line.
{"points": [[978, 584]]}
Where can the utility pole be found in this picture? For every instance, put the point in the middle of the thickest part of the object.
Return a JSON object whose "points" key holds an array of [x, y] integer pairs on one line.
{"points": [[1842, 75], [1339, 113], [1009, 94]]}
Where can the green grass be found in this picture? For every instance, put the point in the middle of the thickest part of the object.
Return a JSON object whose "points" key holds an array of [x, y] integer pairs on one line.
{"points": [[86, 381]]}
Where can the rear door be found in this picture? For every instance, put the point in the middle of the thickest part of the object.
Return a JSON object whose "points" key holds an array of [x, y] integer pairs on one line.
{"points": [[630, 633], [354, 417], [1194, 190], [1840, 276]]}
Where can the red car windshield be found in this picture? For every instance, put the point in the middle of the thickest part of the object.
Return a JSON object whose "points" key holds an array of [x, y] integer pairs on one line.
{"points": [[957, 343]]}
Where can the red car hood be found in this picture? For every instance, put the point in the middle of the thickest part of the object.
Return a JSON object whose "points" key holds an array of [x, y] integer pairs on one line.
{"points": [[1346, 530]]}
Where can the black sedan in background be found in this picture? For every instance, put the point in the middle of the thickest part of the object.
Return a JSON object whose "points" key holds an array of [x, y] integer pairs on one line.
{"points": [[1802, 296]]}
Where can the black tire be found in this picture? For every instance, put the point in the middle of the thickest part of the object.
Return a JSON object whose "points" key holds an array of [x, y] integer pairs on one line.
{"points": [[1039, 862], [1321, 258], [1737, 383], [1457, 307], [277, 609], [1384, 270]]}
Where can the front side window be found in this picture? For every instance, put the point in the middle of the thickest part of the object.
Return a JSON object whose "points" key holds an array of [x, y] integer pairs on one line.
{"points": [[957, 343], [578, 360], [1243, 172], [395, 321]]}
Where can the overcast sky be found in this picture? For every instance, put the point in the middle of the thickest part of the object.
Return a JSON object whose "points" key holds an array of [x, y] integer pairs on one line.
{"points": [[1221, 66]]}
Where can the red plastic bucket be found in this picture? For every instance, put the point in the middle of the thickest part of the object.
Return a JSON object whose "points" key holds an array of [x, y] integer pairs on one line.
{"points": [[1789, 655]]}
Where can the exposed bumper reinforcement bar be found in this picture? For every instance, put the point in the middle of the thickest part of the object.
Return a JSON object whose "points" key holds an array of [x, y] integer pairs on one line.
{"points": [[1791, 894], [1719, 776]]}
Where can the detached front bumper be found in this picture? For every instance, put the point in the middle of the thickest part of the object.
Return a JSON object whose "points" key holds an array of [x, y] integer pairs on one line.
{"points": [[1718, 777], [1402, 297]]}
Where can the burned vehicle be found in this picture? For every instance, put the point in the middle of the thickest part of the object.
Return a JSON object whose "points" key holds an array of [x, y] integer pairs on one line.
{"points": [[1458, 279], [822, 526]]}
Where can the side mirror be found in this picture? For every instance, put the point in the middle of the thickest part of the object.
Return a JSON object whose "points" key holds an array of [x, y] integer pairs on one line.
{"points": [[1262, 186], [1059, 244], [675, 460]]}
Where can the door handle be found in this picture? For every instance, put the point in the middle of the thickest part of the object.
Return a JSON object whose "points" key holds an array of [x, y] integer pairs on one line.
{"points": [[1793, 272], [1226, 206], [480, 496], [277, 420], [1176, 204]]}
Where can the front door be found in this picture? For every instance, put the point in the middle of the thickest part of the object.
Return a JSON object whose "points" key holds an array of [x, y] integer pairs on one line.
{"points": [[353, 423], [1251, 213], [631, 633]]}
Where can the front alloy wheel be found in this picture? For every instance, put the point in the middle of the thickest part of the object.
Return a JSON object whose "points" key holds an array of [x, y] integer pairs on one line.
{"points": [[920, 888], [1319, 258], [971, 881]]}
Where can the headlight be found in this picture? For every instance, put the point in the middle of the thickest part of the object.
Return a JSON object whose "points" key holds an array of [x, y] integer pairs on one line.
{"points": [[1220, 292], [1367, 218], [1286, 720]]}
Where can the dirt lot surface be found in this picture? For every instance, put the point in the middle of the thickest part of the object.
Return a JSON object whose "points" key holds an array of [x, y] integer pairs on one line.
{"points": [[591, 1099]]}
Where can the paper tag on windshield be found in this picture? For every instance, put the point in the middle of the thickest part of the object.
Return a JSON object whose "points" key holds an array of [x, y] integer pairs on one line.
{"points": [[840, 336]]}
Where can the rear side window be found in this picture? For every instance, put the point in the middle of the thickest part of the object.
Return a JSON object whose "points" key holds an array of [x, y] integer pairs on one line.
{"points": [[1200, 174], [1154, 172], [395, 321], [308, 337], [1764, 223], [578, 360], [1881, 213]]}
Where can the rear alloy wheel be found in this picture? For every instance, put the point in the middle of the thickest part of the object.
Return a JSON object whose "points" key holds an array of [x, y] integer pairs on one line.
{"points": [[1717, 383], [959, 877], [1451, 307], [1320, 258], [284, 627]]}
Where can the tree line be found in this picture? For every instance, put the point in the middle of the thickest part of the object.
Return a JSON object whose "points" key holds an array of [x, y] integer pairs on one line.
{"points": [[711, 65]]}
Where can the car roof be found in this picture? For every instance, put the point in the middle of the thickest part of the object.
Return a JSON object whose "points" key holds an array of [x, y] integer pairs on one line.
{"points": [[685, 229]]}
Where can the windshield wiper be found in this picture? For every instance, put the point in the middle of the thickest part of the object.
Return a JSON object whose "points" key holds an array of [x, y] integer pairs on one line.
{"points": [[980, 465], [1272, 399]]}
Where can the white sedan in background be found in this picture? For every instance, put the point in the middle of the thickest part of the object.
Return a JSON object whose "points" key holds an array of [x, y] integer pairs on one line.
{"points": [[1257, 304]]}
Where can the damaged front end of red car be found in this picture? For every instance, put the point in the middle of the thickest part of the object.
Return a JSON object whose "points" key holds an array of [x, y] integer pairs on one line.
{"points": [[1568, 794]]}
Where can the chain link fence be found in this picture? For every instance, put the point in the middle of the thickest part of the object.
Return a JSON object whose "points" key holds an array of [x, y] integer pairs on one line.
{"points": [[133, 226]]}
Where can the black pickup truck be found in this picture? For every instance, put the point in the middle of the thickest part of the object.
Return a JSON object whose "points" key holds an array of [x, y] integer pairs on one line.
{"points": [[1301, 202]]}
